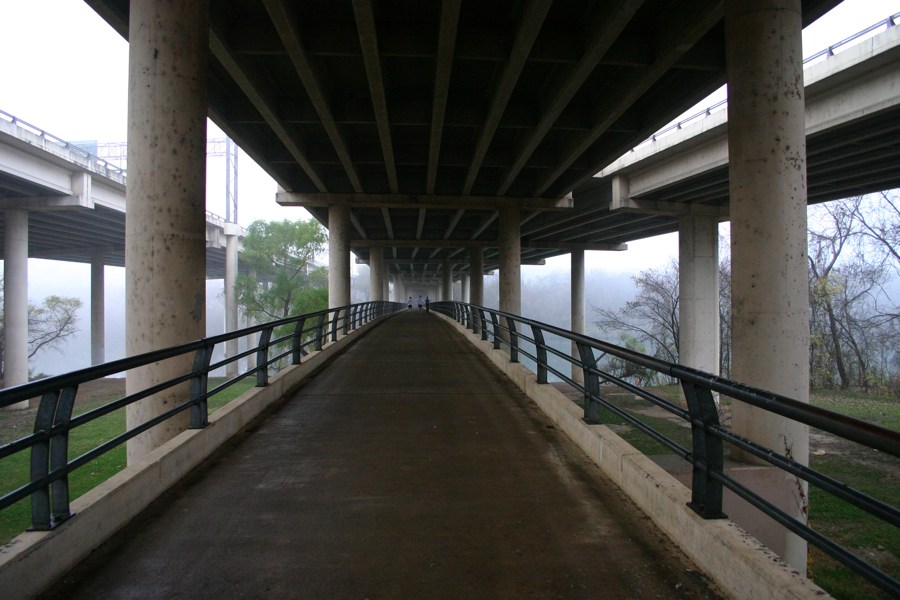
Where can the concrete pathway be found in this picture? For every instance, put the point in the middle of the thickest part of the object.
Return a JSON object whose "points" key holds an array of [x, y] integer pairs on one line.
{"points": [[408, 468]]}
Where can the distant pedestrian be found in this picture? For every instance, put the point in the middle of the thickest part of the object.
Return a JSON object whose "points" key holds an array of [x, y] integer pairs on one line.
{"points": [[409, 303], [421, 302], [427, 304]]}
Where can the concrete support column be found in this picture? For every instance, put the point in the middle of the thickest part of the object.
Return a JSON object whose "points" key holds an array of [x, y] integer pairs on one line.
{"points": [[698, 290], [232, 230], [338, 256], [165, 242], [476, 275], [15, 300], [386, 283], [376, 273], [577, 306], [510, 263], [767, 168], [447, 281], [98, 309], [464, 289]]}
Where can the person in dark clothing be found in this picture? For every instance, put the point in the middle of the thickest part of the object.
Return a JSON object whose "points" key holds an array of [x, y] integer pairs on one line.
{"points": [[427, 303]]}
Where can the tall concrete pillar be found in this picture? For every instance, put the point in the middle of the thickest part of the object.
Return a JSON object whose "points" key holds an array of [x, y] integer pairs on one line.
{"points": [[447, 281], [767, 168], [15, 300], [476, 275], [464, 289], [698, 291], [386, 283], [98, 309], [232, 230], [338, 256], [376, 273], [577, 306], [510, 261], [165, 242]]}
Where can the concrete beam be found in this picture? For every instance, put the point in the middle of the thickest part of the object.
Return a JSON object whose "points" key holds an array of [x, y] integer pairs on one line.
{"points": [[324, 200], [440, 261], [548, 244]]}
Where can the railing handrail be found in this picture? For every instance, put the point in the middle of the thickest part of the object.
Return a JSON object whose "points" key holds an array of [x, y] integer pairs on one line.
{"points": [[707, 456], [48, 481]]}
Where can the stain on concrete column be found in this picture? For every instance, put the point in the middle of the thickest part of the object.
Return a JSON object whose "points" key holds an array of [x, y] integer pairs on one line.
{"points": [[767, 148], [165, 255]]}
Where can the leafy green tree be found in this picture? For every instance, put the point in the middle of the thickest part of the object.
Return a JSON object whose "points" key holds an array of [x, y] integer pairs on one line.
{"points": [[283, 279]]}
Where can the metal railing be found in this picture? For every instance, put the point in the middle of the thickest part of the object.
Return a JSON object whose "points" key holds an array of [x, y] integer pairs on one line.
{"points": [[522, 337], [50, 463]]}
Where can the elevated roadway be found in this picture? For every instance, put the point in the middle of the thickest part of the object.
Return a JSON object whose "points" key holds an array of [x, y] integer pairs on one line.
{"points": [[75, 201], [852, 137]]}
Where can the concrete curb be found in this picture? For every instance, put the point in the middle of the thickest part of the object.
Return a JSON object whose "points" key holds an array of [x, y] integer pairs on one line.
{"points": [[34, 560], [735, 560]]}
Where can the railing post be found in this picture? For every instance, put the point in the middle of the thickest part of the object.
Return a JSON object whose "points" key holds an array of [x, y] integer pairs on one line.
{"points": [[59, 456], [262, 358], [541, 351], [334, 324], [513, 340], [496, 323], [708, 454], [320, 332], [199, 384], [297, 350], [50, 503], [591, 384]]}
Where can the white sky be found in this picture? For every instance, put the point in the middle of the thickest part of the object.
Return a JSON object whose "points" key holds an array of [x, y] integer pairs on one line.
{"points": [[65, 70]]}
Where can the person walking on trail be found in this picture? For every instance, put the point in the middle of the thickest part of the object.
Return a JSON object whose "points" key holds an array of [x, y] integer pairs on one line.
{"points": [[421, 302], [409, 303], [427, 304]]}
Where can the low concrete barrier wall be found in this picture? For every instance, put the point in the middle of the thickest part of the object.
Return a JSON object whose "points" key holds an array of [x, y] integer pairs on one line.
{"points": [[34, 560], [735, 560]]}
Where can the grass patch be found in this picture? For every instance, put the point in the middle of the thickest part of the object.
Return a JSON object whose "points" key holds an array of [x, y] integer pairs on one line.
{"points": [[14, 470]]}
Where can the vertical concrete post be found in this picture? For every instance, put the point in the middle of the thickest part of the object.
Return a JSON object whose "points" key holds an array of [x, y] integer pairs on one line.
{"points": [[98, 309], [15, 300], [446, 281], [464, 288], [338, 256], [577, 306], [376, 273], [386, 283], [165, 246], [510, 261], [232, 230], [476, 275], [767, 168], [698, 293]]}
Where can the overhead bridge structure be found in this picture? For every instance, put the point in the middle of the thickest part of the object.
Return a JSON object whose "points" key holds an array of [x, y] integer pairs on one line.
{"points": [[445, 138]]}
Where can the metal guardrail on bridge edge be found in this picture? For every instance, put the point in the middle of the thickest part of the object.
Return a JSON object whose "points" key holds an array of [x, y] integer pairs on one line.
{"points": [[48, 484], [706, 456]]}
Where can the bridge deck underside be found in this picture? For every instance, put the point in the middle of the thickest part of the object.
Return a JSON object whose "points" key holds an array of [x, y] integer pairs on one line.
{"points": [[408, 468]]}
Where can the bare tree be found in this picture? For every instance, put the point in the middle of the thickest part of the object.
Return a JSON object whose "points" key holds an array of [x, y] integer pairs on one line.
{"points": [[651, 319], [49, 324]]}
